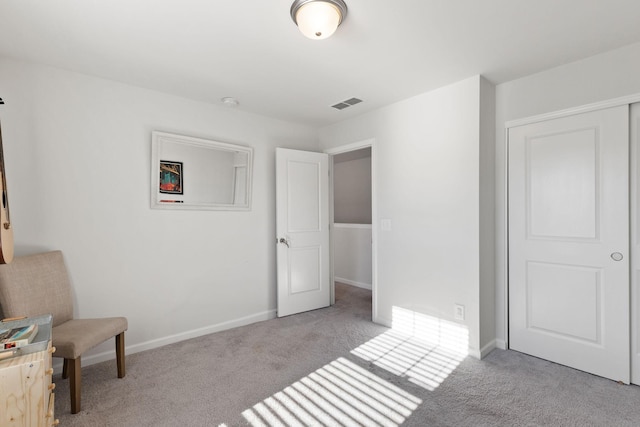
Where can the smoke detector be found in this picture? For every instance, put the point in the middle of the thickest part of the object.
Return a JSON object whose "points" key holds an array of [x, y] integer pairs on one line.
{"points": [[229, 101]]}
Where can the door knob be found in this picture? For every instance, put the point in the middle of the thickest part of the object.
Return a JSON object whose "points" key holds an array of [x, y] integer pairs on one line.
{"points": [[616, 256], [283, 240]]}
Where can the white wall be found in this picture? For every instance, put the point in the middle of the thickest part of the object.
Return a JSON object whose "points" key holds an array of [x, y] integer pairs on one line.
{"points": [[607, 76], [78, 153], [352, 263], [428, 172]]}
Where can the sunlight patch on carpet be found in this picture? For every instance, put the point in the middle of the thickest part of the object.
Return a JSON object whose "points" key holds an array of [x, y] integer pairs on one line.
{"points": [[338, 394], [422, 348]]}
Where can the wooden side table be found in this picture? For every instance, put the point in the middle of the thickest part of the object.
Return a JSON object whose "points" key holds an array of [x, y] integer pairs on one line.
{"points": [[26, 386]]}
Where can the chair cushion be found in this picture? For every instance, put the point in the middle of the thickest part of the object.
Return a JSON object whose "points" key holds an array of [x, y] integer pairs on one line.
{"points": [[34, 285], [72, 338]]}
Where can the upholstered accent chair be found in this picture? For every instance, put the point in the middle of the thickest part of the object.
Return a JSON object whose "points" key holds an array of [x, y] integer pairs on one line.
{"points": [[39, 284]]}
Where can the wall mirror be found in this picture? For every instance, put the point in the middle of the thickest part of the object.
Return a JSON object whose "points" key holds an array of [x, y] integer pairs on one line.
{"points": [[195, 173]]}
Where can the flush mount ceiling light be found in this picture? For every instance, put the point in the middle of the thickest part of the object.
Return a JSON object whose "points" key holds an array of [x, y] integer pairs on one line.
{"points": [[318, 19]]}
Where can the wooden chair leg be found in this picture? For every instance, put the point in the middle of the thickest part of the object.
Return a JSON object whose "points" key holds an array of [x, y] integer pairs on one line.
{"points": [[120, 354], [65, 369], [74, 384]]}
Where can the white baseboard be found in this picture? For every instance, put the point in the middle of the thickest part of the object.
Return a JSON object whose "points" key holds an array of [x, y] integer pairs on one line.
{"points": [[501, 344], [380, 320], [171, 339], [484, 351], [353, 283], [474, 353]]}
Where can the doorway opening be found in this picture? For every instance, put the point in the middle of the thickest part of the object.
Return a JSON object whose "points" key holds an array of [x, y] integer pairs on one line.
{"points": [[352, 216]]}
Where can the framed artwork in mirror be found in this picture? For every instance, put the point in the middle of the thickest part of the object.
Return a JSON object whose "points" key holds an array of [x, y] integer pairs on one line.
{"points": [[170, 177]]}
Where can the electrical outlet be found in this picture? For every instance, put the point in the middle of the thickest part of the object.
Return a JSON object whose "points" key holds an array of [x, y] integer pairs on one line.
{"points": [[458, 311]]}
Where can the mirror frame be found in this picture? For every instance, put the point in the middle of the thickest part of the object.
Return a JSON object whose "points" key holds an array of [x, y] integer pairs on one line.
{"points": [[157, 140]]}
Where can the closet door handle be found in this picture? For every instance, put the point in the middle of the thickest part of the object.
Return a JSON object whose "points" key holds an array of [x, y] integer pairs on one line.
{"points": [[616, 256]]}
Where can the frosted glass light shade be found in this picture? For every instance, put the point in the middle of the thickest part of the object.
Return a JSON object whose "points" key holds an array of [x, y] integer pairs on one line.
{"points": [[317, 19]]}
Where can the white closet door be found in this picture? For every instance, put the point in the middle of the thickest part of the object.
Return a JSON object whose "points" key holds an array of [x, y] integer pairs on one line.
{"points": [[635, 243], [569, 241]]}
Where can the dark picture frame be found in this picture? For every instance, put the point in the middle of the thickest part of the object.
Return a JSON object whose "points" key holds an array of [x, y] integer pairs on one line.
{"points": [[171, 177]]}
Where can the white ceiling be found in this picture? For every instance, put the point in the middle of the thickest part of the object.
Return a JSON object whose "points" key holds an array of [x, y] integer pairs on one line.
{"points": [[385, 51]]}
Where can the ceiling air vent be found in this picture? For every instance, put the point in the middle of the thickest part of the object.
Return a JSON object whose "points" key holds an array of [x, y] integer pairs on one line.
{"points": [[348, 103]]}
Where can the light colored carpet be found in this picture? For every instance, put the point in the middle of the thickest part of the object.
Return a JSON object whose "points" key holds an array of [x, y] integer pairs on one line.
{"points": [[321, 368]]}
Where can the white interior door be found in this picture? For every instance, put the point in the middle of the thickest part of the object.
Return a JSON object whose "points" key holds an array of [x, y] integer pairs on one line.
{"points": [[569, 241], [302, 227]]}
